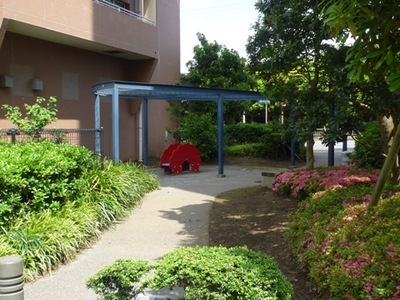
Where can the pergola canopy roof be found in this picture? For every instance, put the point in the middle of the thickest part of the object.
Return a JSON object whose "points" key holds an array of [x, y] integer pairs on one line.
{"points": [[138, 90]]}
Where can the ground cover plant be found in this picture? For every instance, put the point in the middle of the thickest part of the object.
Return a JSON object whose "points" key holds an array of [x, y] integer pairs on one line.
{"points": [[302, 183], [204, 272], [348, 251], [56, 199]]}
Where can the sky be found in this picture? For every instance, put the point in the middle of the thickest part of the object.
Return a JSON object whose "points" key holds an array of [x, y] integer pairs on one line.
{"points": [[227, 22]]}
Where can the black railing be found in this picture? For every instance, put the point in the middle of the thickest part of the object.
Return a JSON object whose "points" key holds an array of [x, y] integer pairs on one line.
{"points": [[91, 138]]}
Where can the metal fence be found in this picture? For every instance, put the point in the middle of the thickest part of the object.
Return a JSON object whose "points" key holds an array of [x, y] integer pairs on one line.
{"points": [[91, 138]]}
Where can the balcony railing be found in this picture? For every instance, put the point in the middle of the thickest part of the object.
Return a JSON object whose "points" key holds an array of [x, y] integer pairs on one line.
{"points": [[124, 11]]}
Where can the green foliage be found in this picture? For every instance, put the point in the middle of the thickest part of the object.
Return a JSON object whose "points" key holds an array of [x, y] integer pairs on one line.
{"points": [[37, 176], [300, 70], [116, 281], [257, 140], [47, 239], [215, 66], [350, 253], [369, 151], [250, 149], [247, 133], [113, 189], [70, 197], [200, 131], [37, 116], [369, 23], [222, 273], [216, 273]]}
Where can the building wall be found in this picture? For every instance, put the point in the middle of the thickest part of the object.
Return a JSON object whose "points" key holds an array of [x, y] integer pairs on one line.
{"points": [[68, 68]]}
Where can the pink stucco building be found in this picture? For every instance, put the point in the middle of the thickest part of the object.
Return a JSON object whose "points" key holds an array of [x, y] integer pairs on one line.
{"points": [[62, 47]]}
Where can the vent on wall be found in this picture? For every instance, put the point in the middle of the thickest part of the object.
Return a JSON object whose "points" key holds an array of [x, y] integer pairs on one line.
{"points": [[37, 85], [6, 81]]}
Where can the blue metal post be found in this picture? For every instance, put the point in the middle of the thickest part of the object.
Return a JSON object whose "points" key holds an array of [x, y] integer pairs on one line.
{"points": [[293, 140], [145, 127], [115, 124], [292, 152], [331, 154], [220, 124], [344, 144], [331, 145], [97, 125]]}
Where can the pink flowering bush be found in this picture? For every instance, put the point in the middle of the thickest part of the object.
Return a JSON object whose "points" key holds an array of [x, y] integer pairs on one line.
{"points": [[302, 183], [349, 252]]}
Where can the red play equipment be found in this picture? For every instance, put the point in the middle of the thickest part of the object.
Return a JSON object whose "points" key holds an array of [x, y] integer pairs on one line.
{"points": [[179, 157]]}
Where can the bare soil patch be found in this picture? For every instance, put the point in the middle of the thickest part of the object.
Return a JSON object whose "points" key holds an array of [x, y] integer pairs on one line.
{"points": [[258, 218]]}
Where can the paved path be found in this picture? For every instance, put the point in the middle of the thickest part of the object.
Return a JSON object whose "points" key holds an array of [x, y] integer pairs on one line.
{"points": [[175, 215], [321, 153]]}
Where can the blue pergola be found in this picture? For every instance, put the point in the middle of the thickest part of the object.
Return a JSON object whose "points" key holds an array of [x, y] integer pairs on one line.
{"points": [[147, 92]]}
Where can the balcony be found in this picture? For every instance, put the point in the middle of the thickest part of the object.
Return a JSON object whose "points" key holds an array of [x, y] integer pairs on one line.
{"points": [[123, 8]]}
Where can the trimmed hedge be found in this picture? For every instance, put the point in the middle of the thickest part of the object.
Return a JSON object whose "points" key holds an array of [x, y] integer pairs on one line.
{"points": [[203, 272], [257, 140]]}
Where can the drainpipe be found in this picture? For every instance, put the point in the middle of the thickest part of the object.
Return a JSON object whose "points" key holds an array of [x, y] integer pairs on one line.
{"points": [[141, 132]]}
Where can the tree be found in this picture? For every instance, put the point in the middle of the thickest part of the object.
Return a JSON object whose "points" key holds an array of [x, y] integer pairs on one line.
{"points": [[375, 54], [374, 27], [37, 116], [290, 43], [215, 66]]}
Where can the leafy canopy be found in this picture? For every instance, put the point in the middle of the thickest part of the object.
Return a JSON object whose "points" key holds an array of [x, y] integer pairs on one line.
{"points": [[215, 66], [374, 27], [290, 53]]}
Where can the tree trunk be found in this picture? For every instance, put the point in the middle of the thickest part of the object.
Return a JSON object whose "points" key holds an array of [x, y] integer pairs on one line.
{"points": [[395, 169], [386, 169], [388, 127], [310, 153]]}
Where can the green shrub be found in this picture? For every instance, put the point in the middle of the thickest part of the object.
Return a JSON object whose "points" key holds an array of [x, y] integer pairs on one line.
{"points": [[37, 116], [37, 176], [369, 151], [350, 253], [252, 150], [213, 273], [259, 140], [116, 281], [200, 131], [243, 133]]}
